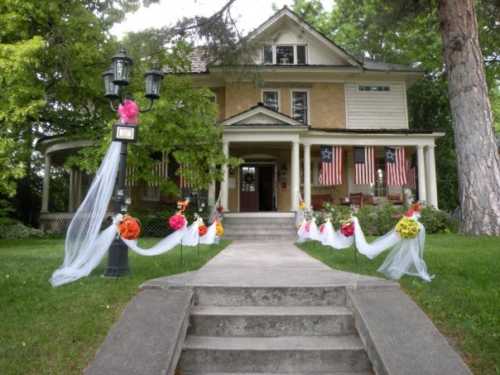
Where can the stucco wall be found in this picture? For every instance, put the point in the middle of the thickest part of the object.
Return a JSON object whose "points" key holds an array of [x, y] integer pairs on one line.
{"points": [[327, 105], [240, 96], [220, 100]]}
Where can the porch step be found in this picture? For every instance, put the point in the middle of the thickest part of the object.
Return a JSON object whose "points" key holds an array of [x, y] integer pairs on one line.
{"points": [[270, 321], [260, 228], [269, 296], [274, 354]]}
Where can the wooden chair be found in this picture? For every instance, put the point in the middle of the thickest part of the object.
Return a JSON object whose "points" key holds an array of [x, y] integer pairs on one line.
{"points": [[318, 200], [395, 198], [356, 199]]}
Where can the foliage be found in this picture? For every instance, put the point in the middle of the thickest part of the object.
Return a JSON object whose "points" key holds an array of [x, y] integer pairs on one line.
{"points": [[18, 231], [437, 221], [463, 299], [335, 213], [58, 331], [378, 220]]}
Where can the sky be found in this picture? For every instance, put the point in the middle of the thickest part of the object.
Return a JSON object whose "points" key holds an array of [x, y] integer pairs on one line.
{"points": [[248, 13]]}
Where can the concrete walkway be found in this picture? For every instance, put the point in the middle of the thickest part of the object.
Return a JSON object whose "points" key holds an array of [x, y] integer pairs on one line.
{"points": [[274, 264]]}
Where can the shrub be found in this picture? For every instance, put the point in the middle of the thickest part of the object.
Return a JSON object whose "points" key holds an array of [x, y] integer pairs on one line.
{"points": [[437, 221], [336, 213], [19, 231]]}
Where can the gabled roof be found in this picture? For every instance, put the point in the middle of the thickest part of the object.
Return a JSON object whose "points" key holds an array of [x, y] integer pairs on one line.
{"points": [[286, 12], [260, 115]]}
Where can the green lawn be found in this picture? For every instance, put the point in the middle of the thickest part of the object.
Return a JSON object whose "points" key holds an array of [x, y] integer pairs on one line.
{"points": [[57, 331], [464, 298]]}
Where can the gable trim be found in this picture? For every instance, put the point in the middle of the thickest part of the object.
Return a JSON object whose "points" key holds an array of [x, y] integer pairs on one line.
{"points": [[281, 118], [285, 11]]}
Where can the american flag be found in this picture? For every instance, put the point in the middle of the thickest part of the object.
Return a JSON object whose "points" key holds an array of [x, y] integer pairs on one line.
{"points": [[364, 165], [411, 174], [395, 168], [331, 165]]}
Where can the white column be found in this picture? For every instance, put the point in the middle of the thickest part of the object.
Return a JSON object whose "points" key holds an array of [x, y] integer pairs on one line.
{"points": [[211, 194], [307, 175], [295, 177], [46, 184], [422, 194], [431, 177], [225, 182]]}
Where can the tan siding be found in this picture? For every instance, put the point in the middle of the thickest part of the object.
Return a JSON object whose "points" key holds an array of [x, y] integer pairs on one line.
{"points": [[327, 105], [240, 97], [220, 99]]}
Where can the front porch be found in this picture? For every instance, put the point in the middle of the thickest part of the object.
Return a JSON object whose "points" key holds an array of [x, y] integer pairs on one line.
{"points": [[293, 155]]}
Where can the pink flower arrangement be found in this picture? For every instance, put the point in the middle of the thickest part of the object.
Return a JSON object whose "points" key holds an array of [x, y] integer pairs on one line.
{"points": [[308, 227], [128, 112], [321, 228], [347, 229], [177, 221]]}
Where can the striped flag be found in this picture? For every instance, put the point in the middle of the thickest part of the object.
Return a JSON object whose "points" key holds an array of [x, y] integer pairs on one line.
{"points": [[395, 168], [331, 165], [411, 174], [364, 165]]}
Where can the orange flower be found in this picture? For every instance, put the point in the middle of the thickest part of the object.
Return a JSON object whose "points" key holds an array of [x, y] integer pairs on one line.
{"points": [[129, 228], [202, 230]]}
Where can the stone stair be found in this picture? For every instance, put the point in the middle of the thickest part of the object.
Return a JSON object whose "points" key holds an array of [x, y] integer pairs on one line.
{"points": [[286, 330], [260, 226]]}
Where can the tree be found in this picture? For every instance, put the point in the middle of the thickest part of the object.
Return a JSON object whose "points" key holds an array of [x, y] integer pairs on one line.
{"points": [[409, 32]]}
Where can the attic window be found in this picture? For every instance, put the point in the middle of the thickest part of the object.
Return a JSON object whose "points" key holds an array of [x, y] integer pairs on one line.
{"points": [[284, 55], [374, 88], [268, 54]]}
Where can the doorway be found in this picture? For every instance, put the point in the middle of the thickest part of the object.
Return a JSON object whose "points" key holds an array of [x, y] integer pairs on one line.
{"points": [[257, 187]]}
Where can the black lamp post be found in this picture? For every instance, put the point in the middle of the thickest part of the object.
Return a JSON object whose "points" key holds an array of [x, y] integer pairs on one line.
{"points": [[115, 80]]}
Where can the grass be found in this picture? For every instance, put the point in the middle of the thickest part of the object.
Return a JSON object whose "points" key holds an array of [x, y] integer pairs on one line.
{"points": [[45, 330], [464, 298]]}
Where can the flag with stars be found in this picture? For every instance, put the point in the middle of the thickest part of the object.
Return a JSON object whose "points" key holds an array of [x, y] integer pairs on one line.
{"points": [[395, 167], [331, 165]]}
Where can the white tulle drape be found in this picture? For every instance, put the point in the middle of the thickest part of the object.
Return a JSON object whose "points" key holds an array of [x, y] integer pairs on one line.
{"points": [[371, 250], [84, 246], [405, 258]]}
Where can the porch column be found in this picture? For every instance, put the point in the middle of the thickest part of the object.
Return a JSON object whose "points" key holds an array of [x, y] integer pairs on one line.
{"points": [[422, 194], [46, 184], [211, 194], [225, 182], [307, 175], [431, 177], [295, 177]]}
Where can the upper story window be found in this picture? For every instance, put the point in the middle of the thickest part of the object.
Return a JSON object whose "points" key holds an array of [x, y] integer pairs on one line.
{"points": [[375, 88], [271, 99], [300, 106], [290, 54]]}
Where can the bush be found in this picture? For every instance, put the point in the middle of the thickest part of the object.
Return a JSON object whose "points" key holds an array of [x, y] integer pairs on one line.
{"points": [[19, 231], [378, 220], [437, 221], [335, 213]]}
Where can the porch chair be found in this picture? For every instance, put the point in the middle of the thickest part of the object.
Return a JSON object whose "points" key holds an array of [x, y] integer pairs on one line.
{"points": [[356, 199]]}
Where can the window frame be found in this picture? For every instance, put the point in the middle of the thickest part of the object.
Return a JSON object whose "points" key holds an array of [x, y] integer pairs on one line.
{"points": [[273, 54], [376, 86], [308, 98], [294, 46], [277, 91]]}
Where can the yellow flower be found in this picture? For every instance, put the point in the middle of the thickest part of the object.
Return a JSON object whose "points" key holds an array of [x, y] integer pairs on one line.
{"points": [[407, 228], [219, 230]]}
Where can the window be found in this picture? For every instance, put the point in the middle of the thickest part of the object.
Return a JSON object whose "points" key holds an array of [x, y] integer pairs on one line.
{"points": [[300, 106], [284, 55], [301, 55], [268, 54], [271, 99], [374, 88]]}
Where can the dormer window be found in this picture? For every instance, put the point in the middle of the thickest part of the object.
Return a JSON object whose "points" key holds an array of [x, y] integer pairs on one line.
{"points": [[290, 54]]}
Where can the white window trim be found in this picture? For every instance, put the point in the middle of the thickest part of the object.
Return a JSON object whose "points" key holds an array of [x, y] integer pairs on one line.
{"points": [[308, 92], [295, 57], [271, 90]]}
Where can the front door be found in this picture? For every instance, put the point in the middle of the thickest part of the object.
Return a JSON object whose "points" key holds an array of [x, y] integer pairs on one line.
{"points": [[257, 187], [249, 192]]}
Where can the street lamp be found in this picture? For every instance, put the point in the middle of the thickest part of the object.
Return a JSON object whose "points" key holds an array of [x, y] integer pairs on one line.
{"points": [[115, 79]]}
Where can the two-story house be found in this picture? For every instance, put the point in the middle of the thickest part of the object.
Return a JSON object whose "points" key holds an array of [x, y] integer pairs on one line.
{"points": [[311, 122]]}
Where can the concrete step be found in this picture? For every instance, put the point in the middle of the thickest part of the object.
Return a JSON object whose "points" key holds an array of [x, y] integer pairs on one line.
{"points": [[258, 220], [260, 226], [260, 232], [269, 296], [274, 354], [249, 237], [270, 321], [281, 373]]}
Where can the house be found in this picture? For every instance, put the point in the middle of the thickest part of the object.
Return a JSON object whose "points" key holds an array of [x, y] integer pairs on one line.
{"points": [[312, 123]]}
